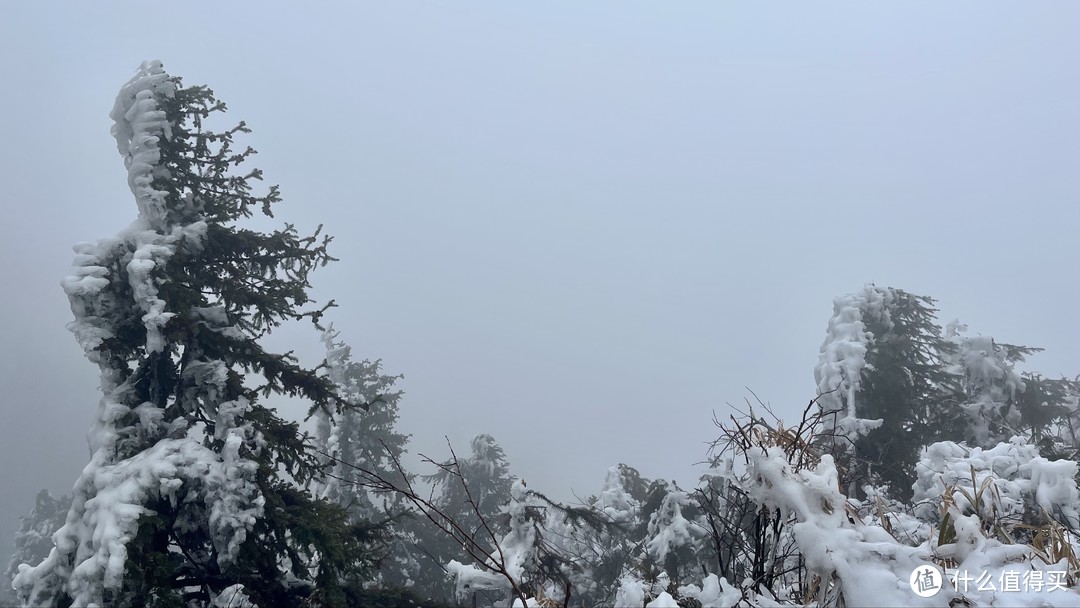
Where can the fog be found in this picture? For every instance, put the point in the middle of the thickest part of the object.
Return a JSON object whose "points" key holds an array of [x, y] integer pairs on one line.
{"points": [[582, 229]]}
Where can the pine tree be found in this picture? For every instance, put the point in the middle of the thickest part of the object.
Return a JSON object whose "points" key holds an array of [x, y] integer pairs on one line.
{"points": [[193, 494], [674, 534], [1001, 402], [884, 370], [487, 474], [355, 443], [587, 547], [474, 501], [516, 552], [1049, 413], [908, 386], [33, 541], [990, 386], [359, 439]]}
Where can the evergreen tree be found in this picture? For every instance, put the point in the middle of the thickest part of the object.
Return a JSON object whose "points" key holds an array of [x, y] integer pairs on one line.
{"points": [[193, 495], [1001, 402], [908, 386], [475, 501], [674, 534], [487, 474], [515, 552], [887, 373], [33, 541], [1049, 413], [614, 546], [990, 387], [585, 549], [359, 439], [354, 443]]}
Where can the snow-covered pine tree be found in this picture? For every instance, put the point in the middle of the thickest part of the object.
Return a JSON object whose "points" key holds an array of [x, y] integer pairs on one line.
{"points": [[883, 378], [551, 553], [356, 440], [605, 546], [675, 535], [1001, 402], [354, 443], [193, 492], [1050, 414], [33, 541], [647, 536], [515, 552], [487, 474], [990, 386]]}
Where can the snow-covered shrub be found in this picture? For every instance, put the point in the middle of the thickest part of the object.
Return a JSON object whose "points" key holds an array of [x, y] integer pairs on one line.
{"points": [[862, 552], [1008, 493], [1000, 483], [845, 558]]}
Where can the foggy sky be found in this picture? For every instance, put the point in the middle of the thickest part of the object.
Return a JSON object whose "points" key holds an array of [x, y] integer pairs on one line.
{"points": [[579, 227]]}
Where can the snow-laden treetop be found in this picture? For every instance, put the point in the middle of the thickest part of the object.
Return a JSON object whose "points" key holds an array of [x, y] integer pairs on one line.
{"points": [[139, 126]]}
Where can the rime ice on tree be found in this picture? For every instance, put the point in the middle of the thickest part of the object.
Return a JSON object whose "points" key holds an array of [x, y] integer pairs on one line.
{"points": [[136, 456], [991, 385], [843, 357], [188, 473], [885, 388], [354, 440]]}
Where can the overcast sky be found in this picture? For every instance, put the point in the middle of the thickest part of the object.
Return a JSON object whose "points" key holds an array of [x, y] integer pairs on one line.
{"points": [[579, 227]]}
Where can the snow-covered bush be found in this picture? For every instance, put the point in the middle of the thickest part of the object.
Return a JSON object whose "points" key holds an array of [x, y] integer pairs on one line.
{"points": [[971, 515], [1006, 485]]}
